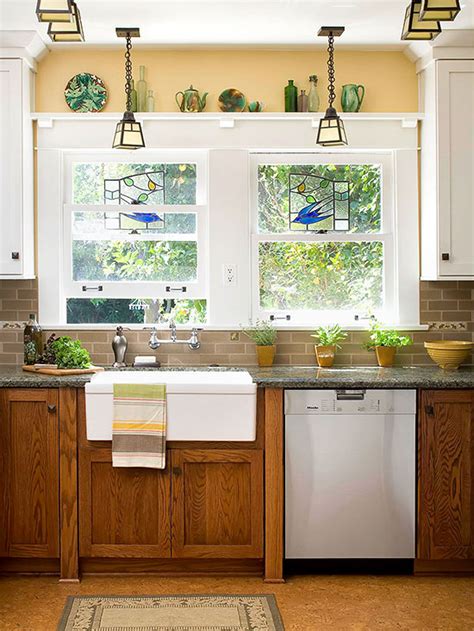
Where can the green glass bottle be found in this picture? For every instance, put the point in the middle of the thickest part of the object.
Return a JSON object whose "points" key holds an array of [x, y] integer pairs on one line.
{"points": [[142, 91], [291, 97], [133, 96], [33, 340]]}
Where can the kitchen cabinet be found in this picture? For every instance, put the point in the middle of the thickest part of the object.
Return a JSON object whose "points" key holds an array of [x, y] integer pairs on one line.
{"points": [[16, 171], [446, 478], [29, 473], [447, 166], [217, 503]]}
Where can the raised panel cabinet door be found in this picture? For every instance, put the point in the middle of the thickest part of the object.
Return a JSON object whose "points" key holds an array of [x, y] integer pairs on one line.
{"points": [[123, 512], [446, 476], [217, 503], [29, 473]]}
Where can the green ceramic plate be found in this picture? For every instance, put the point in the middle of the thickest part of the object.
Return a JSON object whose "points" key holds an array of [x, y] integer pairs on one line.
{"points": [[232, 100], [86, 93]]}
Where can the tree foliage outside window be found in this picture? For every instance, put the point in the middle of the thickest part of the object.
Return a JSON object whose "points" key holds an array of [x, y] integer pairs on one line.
{"points": [[118, 311]]}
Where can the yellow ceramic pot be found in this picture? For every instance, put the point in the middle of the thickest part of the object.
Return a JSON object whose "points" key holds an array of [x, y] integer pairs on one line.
{"points": [[385, 355], [325, 355], [266, 355], [449, 354]]}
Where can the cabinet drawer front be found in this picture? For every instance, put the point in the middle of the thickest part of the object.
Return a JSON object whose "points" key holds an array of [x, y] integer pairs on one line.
{"points": [[217, 503]]}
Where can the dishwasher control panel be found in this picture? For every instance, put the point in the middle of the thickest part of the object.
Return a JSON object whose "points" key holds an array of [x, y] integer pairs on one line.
{"points": [[351, 401]]}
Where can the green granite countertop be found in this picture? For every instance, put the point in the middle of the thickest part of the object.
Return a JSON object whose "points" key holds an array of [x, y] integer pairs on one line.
{"points": [[285, 377]]}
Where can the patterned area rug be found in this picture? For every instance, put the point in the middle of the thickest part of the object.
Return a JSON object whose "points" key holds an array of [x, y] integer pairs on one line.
{"points": [[171, 613]]}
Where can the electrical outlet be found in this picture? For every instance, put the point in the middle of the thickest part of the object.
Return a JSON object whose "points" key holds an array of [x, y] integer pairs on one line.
{"points": [[229, 274]]}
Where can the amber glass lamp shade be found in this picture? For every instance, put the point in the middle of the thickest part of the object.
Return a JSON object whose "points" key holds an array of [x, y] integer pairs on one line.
{"points": [[414, 28], [54, 10], [68, 31], [128, 133], [331, 132], [442, 10]]}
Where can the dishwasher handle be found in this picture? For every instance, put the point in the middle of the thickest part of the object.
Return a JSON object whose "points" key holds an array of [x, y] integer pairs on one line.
{"points": [[350, 395]]}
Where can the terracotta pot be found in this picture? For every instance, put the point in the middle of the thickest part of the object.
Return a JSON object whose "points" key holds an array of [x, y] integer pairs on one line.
{"points": [[266, 355], [325, 355], [385, 355]]}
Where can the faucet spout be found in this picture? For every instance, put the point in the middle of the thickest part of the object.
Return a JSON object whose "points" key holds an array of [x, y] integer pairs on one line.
{"points": [[153, 342]]}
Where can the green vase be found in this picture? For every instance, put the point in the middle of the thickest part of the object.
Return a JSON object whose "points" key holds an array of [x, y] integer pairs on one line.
{"points": [[352, 97], [291, 97]]}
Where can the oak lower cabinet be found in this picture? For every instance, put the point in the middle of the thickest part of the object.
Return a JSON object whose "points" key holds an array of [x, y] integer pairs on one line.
{"points": [[446, 479], [29, 473], [123, 512], [217, 509]]}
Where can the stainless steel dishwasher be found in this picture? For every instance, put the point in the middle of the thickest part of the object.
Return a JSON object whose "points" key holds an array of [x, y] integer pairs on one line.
{"points": [[350, 474]]}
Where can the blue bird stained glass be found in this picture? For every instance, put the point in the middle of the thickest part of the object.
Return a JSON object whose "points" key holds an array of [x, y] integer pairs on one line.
{"points": [[318, 204], [139, 189]]}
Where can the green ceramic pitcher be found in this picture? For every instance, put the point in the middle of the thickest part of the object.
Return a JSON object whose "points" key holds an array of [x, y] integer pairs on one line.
{"points": [[352, 97]]}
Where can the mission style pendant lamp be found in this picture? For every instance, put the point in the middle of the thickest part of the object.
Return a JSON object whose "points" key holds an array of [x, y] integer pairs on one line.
{"points": [[68, 31], [442, 10], [128, 133], [331, 130], [54, 10], [414, 28]]}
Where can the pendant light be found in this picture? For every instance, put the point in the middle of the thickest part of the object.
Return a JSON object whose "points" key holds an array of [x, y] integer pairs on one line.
{"points": [[414, 28], [331, 130], [54, 10], [68, 31], [128, 133], [442, 10]]}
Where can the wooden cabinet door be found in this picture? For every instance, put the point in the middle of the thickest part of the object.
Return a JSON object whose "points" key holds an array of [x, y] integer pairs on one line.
{"points": [[217, 503], [446, 475], [123, 512], [29, 473]]}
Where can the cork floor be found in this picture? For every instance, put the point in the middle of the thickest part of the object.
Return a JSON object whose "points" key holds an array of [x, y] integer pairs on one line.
{"points": [[306, 603]]}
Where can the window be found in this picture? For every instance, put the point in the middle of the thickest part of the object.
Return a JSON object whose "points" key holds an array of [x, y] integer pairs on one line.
{"points": [[134, 241], [323, 237]]}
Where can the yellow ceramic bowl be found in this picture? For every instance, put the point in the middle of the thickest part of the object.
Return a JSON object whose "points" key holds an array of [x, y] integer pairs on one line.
{"points": [[449, 354]]}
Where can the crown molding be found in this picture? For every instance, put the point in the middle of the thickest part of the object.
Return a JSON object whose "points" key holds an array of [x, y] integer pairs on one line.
{"points": [[26, 45]]}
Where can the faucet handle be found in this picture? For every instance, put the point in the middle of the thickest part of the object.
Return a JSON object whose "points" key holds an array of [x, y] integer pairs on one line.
{"points": [[172, 323]]}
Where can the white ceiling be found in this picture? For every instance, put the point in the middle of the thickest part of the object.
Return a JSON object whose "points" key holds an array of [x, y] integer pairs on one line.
{"points": [[271, 23]]}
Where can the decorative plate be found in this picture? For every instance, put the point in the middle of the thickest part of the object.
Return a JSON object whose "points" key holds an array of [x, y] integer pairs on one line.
{"points": [[86, 93], [232, 100]]}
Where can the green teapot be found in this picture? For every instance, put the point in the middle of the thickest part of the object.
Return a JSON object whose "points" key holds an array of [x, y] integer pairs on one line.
{"points": [[190, 100], [352, 97]]}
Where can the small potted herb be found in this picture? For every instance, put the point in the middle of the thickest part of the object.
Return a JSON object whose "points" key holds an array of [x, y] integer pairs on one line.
{"points": [[264, 335], [328, 341], [385, 342]]}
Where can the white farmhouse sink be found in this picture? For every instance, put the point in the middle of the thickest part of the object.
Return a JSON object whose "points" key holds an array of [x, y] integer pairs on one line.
{"points": [[200, 405]]}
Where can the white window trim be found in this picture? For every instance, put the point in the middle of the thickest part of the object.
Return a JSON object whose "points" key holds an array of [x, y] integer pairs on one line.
{"points": [[399, 271]]}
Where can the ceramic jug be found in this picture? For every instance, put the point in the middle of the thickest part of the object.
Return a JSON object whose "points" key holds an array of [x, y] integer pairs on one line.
{"points": [[190, 100], [352, 97]]}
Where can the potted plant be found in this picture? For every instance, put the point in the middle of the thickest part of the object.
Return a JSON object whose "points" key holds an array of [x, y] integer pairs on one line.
{"points": [[264, 335], [328, 341], [385, 342]]}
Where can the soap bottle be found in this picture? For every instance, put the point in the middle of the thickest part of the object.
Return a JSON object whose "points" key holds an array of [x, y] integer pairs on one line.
{"points": [[32, 341], [150, 102], [313, 96], [291, 95], [133, 97], [141, 91], [303, 102]]}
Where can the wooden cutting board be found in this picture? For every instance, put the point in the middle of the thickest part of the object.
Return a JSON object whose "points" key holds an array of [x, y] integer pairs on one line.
{"points": [[59, 372]]}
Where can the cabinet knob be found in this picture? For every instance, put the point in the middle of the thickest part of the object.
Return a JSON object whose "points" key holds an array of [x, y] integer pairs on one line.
{"points": [[445, 256], [177, 471], [429, 410], [16, 256], [51, 408]]}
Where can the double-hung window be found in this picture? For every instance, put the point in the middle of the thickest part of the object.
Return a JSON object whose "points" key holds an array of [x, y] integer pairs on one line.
{"points": [[134, 247], [323, 244]]}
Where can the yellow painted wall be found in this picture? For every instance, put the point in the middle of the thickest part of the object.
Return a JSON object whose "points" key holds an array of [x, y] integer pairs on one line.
{"points": [[389, 77]]}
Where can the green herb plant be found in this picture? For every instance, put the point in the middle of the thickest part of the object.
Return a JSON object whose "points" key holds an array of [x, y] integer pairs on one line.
{"points": [[262, 333], [329, 335], [68, 353], [386, 337]]}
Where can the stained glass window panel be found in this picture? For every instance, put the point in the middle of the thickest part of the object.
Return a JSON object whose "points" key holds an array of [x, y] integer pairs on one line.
{"points": [[346, 197]]}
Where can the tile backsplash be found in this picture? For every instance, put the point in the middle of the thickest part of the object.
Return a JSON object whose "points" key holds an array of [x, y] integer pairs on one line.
{"points": [[448, 306]]}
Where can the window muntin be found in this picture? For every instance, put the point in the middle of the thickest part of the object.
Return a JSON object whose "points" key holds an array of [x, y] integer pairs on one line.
{"points": [[328, 272]]}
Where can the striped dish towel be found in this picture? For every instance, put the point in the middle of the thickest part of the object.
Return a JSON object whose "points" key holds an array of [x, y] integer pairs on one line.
{"points": [[139, 426]]}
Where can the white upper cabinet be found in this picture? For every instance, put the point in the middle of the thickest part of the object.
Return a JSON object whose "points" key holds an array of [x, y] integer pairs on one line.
{"points": [[16, 171], [447, 170]]}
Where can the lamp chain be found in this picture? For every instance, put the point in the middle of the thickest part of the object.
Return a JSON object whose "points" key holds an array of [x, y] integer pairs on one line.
{"points": [[128, 73], [331, 71]]}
